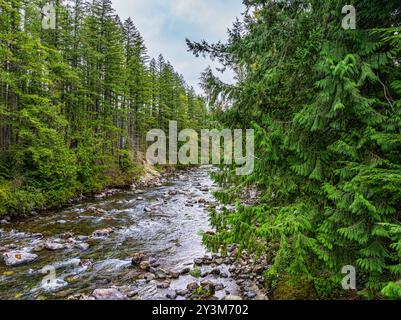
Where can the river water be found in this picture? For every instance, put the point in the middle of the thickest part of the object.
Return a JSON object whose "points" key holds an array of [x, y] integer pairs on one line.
{"points": [[162, 222]]}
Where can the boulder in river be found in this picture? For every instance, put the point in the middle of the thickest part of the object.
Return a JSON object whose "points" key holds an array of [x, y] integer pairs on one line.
{"points": [[82, 246], [16, 258], [102, 232], [53, 246], [108, 294]]}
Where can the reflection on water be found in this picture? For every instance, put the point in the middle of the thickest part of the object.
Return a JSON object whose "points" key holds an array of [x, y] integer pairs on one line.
{"points": [[91, 244]]}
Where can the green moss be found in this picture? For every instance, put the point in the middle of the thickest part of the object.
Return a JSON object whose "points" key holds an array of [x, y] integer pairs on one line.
{"points": [[196, 272], [291, 288]]}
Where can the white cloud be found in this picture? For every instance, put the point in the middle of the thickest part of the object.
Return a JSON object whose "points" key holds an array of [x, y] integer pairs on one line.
{"points": [[165, 24]]}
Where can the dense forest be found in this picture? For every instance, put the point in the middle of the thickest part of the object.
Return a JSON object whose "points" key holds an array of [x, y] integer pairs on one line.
{"points": [[76, 102], [326, 106]]}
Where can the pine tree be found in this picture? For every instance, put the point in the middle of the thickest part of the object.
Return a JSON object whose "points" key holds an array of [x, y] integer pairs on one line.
{"points": [[76, 102]]}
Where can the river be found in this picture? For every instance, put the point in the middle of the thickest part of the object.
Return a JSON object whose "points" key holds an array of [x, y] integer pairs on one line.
{"points": [[90, 246]]}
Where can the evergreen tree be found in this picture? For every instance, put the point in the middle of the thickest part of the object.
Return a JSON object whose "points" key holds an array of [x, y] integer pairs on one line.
{"points": [[325, 104]]}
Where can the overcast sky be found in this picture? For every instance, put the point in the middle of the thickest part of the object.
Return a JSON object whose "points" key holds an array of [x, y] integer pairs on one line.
{"points": [[165, 24]]}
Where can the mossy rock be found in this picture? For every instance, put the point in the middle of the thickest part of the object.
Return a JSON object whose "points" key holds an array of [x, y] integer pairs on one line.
{"points": [[292, 288]]}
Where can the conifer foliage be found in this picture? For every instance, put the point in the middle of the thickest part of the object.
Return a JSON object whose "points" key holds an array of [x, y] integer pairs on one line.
{"points": [[325, 103], [77, 101]]}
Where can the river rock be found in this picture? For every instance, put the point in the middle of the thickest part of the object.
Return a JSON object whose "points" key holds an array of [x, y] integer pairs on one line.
{"points": [[219, 287], [92, 209], [215, 271], [67, 235], [82, 246], [171, 295], [82, 238], [108, 294], [174, 274], [192, 286], [102, 232], [250, 294], [185, 271], [209, 286], [4, 221], [181, 292], [163, 285], [204, 273], [16, 258], [144, 265], [149, 276], [232, 298], [137, 258], [39, 247], [53, 246], [154, 263], [160, 274], [87, 264]]}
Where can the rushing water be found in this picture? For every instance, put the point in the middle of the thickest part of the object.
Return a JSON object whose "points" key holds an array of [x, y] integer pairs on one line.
{"points": [[162, 222]]}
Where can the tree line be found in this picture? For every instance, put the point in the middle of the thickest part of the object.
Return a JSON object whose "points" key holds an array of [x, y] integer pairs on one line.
{"points": [[76, 101], [326, 107]]}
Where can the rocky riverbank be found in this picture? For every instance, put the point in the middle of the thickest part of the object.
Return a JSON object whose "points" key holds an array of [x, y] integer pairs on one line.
{"points": [[142, 243]]}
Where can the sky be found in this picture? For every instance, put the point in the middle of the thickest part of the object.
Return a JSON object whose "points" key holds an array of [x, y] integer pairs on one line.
{"points": [[164, 24]]}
